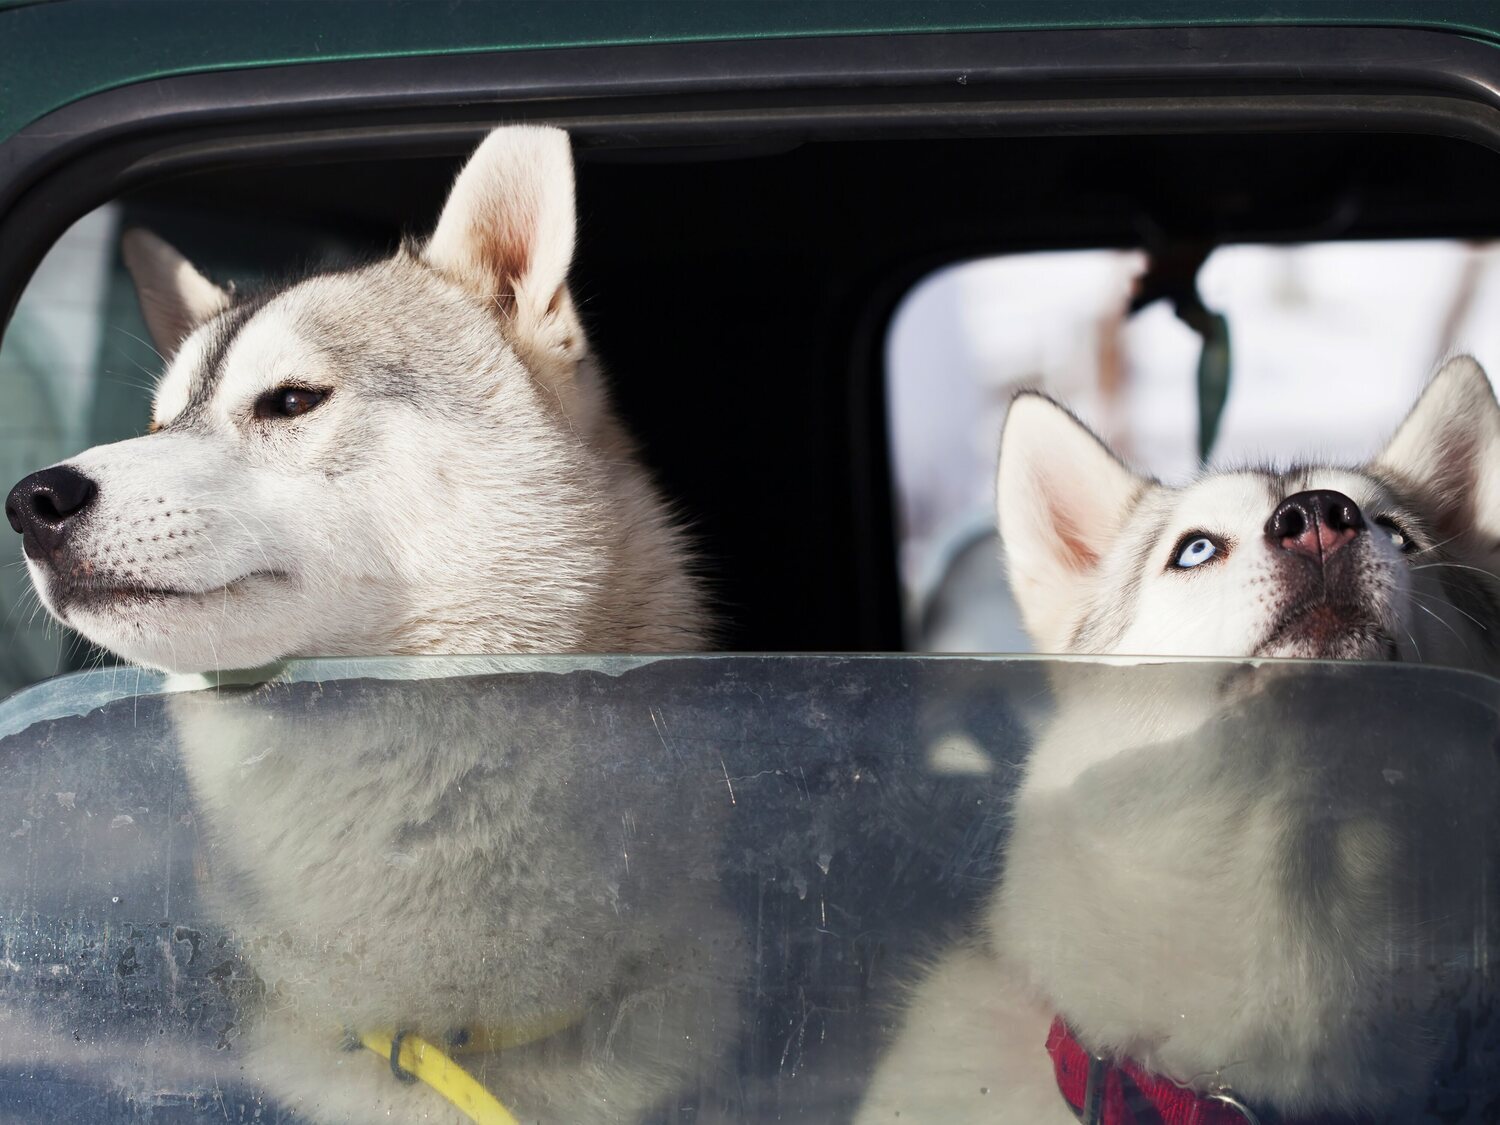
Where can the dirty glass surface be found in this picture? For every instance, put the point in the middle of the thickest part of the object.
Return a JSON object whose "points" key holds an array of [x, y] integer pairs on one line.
{"points": [[693, 889]]}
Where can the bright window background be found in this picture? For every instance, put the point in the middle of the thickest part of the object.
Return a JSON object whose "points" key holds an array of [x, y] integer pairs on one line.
{"points": [[72, 369], [1330, 344]]}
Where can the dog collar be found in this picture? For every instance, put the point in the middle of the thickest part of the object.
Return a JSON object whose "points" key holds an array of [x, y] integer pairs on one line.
{"points": [[414, 1059], [1103, 1091]]}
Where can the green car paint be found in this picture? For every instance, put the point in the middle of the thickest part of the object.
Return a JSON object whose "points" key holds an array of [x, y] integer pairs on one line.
{"points": [[57, 51]]}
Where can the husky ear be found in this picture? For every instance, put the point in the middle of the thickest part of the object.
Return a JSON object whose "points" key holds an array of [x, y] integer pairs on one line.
{"points": [[506, 234], [1448, 451], [1062, 499], [175, 298]]}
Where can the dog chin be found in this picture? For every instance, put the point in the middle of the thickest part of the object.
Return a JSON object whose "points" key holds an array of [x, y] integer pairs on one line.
{"points": [[175, 631], [1327, 632]]}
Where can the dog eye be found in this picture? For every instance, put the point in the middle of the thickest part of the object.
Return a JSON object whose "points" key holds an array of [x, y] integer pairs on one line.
{"points": [[288, 402], [1398, 534], [1194, 550]]}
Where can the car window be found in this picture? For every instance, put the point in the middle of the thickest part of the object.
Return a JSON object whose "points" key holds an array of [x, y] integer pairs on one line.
{"points": [[740, 888]]}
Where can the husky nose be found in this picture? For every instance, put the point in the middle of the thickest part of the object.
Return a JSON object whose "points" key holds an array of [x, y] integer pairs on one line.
{"points": [[1315, 524], [44, 506]]}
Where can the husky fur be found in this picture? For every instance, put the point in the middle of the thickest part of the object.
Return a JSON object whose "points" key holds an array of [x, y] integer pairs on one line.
{"points": [[1205, 874], [424, 860], [464, 487]]}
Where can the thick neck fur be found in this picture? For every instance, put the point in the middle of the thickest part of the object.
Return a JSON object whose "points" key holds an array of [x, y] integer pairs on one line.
{"points": [[615, 574]]}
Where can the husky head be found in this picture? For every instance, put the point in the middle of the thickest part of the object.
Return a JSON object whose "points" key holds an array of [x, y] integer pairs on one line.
{"points": [[410, 456], [1393, 560]]}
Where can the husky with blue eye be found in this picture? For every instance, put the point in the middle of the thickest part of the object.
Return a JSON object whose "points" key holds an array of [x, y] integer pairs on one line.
{"points": [[413, 457], [1232, 891]]}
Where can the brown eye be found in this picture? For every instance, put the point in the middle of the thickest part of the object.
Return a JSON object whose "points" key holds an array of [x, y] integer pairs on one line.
{"points": [[288, 402]]}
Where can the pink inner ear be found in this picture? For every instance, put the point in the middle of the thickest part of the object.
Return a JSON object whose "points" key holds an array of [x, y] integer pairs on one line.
{"points": [[505, 241], [1074, 549]]}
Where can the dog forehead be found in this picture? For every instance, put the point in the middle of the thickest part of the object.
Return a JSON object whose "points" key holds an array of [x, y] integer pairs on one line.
{"points": [[197, 375], [370, 326], [174, 389], [353, 326], [1228, 498], [1360, 487], [270, 348], [255, 345], [1251, 495]]}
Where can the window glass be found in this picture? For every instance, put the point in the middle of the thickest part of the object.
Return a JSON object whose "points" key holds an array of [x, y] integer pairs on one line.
{"points": [[705, 885]]}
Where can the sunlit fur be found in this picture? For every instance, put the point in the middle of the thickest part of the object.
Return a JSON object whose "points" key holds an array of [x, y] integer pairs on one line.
{"points": [[1207, 871], [465, 487]]}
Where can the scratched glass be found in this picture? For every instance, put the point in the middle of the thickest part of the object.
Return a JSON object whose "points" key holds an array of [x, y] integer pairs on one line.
{"points": [[700, 889]]}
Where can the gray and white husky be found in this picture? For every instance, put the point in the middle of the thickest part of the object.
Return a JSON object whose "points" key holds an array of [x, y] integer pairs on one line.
{"points": [[1264, 878], [411, 457]]}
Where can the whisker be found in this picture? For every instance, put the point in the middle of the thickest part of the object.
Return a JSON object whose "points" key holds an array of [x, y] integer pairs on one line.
{"points": [[1450, 605], [1459, 566], [1462, 639], [1434, 546], [254, 541], [140, 340], [1415, 647]]}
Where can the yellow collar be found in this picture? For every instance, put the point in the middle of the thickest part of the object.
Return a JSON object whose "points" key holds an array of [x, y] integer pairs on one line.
{"points": [[414, 1059]]}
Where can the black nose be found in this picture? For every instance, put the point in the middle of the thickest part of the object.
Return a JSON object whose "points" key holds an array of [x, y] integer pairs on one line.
{"points": [[45, 506], [1315, 524]]}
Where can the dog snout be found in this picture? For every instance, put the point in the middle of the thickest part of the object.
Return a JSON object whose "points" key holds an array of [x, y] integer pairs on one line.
{"points": [[1315, 524], [45, 507]]}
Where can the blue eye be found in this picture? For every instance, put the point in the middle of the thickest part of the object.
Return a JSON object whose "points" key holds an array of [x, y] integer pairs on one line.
{"points": [[1196, 552]]}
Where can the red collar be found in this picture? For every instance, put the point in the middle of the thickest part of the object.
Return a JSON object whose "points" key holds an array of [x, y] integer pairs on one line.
{"points": [[1130, 1095]]}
